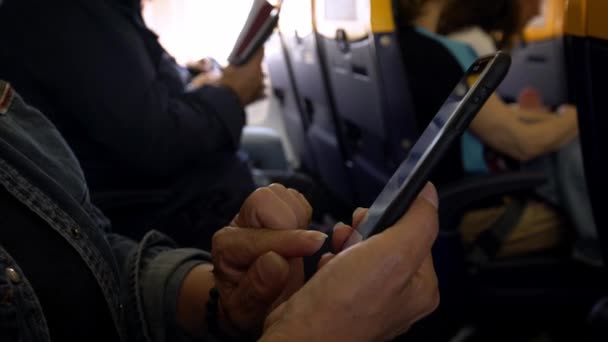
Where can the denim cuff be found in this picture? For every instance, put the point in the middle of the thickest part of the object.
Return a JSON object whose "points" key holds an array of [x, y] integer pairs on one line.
{"points": [[160, 285], [171, 296]]}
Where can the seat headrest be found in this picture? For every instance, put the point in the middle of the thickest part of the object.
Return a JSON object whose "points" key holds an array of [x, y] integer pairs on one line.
{"points": [[550, 24], [357, 18]]}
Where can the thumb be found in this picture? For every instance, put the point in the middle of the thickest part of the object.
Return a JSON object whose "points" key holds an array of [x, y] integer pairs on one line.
{"points": [[262, 285]]}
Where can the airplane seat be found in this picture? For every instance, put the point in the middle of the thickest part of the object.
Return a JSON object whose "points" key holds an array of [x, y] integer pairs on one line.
{"points": [[264, 147], [533, 285], [324, 132], [539, 62], [285, 94], [360, 50], [549, 284]]}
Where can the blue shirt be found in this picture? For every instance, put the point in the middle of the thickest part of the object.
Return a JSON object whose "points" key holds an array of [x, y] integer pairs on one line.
{"points": [[473, 159]]}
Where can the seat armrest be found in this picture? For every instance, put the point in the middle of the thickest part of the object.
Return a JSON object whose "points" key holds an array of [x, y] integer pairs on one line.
{"points": [[457, 198], [264, 147]]}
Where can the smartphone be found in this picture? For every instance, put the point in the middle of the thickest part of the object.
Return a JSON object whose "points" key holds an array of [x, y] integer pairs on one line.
{"points": [[448, 125], [454, 117]]}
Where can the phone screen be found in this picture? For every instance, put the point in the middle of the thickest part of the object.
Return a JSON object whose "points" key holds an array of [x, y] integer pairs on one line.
{"points": [[444, 125]]}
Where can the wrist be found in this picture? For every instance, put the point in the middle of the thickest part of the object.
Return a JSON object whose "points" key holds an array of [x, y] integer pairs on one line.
{"points": [[193, 298], [314, 326], [286, 325], [321, 330], [232, 90], [284, 331]]}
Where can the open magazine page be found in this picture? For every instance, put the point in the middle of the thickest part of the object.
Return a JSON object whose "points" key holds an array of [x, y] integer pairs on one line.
{"points": [[260, 23]]}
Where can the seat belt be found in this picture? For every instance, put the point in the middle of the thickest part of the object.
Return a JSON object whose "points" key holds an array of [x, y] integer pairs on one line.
{"points": [[488, 243]]}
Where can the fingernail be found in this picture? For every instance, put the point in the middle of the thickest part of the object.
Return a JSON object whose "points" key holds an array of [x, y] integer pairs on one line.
{"points": [[315, 235], [358, 211], [429, 193], [339, 224]]}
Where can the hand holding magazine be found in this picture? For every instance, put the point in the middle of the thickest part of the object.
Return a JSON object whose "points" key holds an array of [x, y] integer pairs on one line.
{"points": [[262, 20]]}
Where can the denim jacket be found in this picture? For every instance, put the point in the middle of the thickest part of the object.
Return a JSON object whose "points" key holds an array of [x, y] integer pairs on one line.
{"points": [[139, 281]]}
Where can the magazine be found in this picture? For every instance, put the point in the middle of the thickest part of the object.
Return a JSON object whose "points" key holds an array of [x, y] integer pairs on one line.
{"points": [[260, 24]]}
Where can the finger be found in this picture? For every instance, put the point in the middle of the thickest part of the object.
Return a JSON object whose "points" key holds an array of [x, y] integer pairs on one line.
{"points": [[294, 203], [263, 283], [341, 234], [358, 216], [429, 193], [239, 247], [309, 208], [304, 204], [325, 259], [264, 209]]}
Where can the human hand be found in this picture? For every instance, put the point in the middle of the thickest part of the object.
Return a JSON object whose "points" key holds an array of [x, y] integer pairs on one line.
{"points": [[372, 291], [206, 71], [276, 207], [531, 99], [570, 113], [247, 80], [252, 271], [271, 213], [204, 65]]}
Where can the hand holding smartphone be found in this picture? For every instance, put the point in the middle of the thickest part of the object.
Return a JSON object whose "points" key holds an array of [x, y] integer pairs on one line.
{"points": [[452, 120]]}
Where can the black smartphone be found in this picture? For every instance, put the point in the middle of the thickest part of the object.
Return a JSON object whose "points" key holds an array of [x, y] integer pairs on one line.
{"points": [[454, 117], [452, 120]]}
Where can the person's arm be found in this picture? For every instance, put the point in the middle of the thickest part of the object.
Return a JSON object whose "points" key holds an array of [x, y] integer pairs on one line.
{"points": [[168, 288], [531, 115], [92, 62], [153, 272], [503, 130]]}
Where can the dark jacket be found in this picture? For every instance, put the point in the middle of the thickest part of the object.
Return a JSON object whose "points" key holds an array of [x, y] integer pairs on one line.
{"points": [[139, 281], [120, 102]]}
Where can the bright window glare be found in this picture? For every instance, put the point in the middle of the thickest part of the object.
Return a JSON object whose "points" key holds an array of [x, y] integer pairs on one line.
{"points": [[193, 29]]}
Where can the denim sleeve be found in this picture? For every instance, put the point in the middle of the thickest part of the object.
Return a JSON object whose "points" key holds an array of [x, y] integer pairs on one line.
{"points": [[153, 271]]}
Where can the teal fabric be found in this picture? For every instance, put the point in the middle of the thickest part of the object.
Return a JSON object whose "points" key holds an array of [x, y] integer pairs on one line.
{"points": [[473, 159]]}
